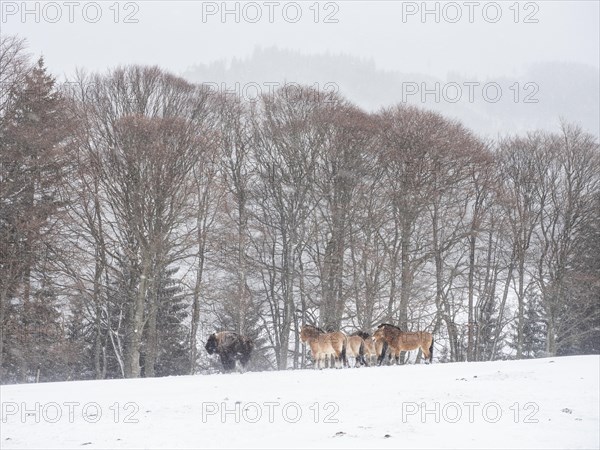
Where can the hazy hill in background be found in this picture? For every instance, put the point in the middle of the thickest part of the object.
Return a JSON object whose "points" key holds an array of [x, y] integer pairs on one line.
{"points": [[564, 90]]}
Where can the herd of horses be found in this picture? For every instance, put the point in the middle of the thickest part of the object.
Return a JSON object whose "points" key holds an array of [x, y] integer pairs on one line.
{"points": [[363, 348], [331, 349]]}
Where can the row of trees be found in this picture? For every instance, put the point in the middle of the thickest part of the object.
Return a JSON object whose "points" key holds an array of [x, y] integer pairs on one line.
{"points": [[139, 213]]}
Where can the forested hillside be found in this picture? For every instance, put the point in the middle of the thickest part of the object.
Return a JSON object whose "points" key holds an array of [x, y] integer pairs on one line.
{"points": [[140, 212]]}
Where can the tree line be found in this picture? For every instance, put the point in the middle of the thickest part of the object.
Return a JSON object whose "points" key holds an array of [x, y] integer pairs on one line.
{"points": [[139, 213]]}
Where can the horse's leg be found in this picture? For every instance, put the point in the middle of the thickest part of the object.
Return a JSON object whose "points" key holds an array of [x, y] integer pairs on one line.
{"points": [[358, 359], [363, 360], [430, 350], [426, 354], [383, 360], [381, 357]]}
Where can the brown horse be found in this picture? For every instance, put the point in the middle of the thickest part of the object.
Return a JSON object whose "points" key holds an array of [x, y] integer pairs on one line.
{"points": [[398, 341], [372, 349], [355, 349], [324, 346]]}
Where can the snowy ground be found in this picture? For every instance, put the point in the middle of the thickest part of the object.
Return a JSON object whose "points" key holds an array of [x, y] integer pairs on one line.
{"points": [[544, 403]]}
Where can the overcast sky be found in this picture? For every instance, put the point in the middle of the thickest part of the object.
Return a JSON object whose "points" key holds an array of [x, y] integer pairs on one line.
{"points": [[395, 35]]}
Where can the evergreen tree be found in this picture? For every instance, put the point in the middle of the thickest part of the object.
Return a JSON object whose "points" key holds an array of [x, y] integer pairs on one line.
{"points": [[534, 340], [487, 327], [172, 335], [581, 311], [33, 164], [228, 320]]}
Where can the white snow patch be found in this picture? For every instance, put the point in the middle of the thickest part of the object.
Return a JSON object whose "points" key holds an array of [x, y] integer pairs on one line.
{"points": [[544, 403]]}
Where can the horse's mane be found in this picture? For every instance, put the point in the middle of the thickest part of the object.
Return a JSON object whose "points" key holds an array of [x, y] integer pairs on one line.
{"points": [[314, 328], [389, 325], [362, 334], [226, 331]]}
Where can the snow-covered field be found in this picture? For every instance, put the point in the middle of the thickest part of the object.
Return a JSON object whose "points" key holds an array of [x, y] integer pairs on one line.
{"points": [[544, 403]]}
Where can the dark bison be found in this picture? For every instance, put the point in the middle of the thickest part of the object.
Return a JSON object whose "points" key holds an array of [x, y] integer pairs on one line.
{"points": [[231, 347]]}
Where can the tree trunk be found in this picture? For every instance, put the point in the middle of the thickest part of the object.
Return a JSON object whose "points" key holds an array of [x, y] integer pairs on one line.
{"points": [[550, 337], [406, 274], [521, 305], [288, 301], [98, 272], [242, 289], [195, 319], [394, 266], [471, 318], [3, 302], [502, 307], [136, 325], [440, 301], [151, 344]]}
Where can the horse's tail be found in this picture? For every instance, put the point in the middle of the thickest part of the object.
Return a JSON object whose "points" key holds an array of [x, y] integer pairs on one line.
{"points": [[431, 350], [361, 352], [384, 348], [343, 353]]}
